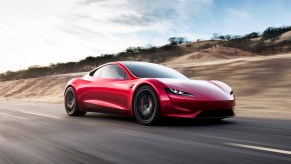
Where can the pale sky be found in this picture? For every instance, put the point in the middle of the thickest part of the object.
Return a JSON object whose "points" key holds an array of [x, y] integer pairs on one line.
{"points": [[40, 32]]}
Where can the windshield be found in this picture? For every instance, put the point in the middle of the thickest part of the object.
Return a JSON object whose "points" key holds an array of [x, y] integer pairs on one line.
{"points": [[150, 70]]}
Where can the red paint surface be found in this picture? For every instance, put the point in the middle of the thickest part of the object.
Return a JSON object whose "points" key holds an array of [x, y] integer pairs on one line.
{"points": [[110, 95]]}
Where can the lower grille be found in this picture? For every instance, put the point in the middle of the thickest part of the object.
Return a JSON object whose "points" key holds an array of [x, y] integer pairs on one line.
{"points": [[215, 114]]}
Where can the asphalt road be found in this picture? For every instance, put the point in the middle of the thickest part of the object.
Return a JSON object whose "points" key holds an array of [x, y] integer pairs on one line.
{"points": [[43, 133]]}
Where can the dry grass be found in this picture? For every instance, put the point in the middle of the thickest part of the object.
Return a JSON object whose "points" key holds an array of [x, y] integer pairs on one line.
{"points": [[210, 54], [42, 89], [284, 37], [262, 83]]}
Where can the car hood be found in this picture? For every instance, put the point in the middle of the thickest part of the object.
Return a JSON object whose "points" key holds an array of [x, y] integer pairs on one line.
{"points": [[201, 89]]}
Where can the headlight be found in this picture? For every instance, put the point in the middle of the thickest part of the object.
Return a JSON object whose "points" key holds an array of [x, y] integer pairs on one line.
{"points": [[178, 92]]}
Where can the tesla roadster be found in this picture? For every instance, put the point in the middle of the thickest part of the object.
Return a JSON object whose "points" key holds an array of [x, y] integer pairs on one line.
{"points": [[148, 92]]}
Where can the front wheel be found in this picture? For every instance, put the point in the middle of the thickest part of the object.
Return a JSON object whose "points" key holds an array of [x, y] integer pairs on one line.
{"points": [[146, 105], [71, 103]]}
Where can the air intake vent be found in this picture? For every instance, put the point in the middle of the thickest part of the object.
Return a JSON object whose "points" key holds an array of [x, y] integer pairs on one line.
{"points": [[215, 114]]}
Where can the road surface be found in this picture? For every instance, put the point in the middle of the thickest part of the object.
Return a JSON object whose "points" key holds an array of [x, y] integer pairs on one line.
{"points": [[43, 133]]}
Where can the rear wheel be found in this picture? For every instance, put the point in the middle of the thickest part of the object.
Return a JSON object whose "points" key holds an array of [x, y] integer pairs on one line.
{"points": [[146, 105], [71, 103]]}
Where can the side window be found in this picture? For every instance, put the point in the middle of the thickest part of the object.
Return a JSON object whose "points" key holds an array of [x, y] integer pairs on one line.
{"points": [[113, 72], [126, 77], [98, 72]]}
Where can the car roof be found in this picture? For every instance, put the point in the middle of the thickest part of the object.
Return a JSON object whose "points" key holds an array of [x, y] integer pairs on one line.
{"points": [[134, 62]]}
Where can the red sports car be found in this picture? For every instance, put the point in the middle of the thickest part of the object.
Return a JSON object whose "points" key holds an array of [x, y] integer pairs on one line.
{"points": [[148, 92]]}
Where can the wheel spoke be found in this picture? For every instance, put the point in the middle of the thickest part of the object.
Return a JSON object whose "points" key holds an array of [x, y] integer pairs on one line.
{"points": [[70, 101], [145, 105]]}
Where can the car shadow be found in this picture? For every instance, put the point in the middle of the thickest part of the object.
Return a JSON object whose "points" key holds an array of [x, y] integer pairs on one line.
{"points": [[180, 122], [164, 122], [110, 117]]}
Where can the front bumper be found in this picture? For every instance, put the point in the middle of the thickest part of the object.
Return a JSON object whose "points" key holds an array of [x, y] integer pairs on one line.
{"points": [[191, 107]]}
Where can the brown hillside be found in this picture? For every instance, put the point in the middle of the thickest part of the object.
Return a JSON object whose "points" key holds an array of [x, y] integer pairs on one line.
{"points": [[261, 84], [284, 37], [210, 54]]}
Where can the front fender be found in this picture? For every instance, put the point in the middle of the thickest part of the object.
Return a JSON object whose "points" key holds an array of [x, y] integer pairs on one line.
{"points": [[159, 87]]}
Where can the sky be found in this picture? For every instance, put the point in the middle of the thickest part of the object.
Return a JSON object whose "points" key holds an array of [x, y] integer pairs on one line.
{"points": [[41, 32]]}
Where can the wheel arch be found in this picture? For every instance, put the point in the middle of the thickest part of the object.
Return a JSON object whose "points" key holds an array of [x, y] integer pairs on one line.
{"points": [[72, 83], [69, 85], [138, 86]]}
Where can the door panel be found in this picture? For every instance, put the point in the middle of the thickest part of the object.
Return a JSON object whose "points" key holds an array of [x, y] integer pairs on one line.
{"points": [[107, 94], [115, 92]]}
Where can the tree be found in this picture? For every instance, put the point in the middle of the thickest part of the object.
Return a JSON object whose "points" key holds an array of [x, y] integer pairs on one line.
{"points": [[173, 41], [228, 37], [133, 50], [272, 32], [177, 40], [221, 37], [252, 35], [236, 37], [215, 36], [181, 40]]}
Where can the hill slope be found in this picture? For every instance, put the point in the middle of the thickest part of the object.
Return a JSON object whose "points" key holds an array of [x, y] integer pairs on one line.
{"points": [[261, 84], [210, 54], [272, 41]]}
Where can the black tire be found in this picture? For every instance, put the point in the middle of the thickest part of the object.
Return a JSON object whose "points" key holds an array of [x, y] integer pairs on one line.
{"points": [[71, 103], [146, 105]]}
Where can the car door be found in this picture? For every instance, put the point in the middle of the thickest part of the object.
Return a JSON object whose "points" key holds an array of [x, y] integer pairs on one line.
{"points": [[109, 90]]}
